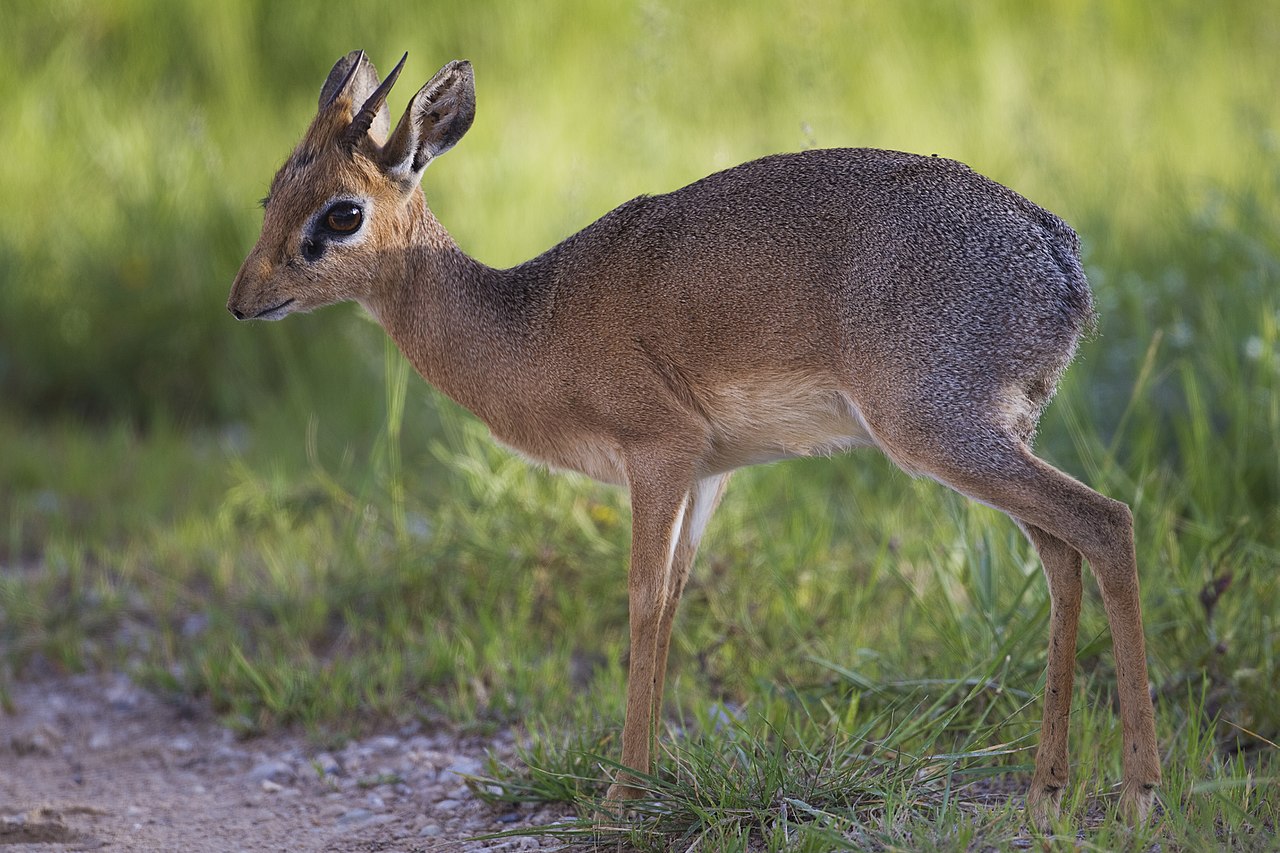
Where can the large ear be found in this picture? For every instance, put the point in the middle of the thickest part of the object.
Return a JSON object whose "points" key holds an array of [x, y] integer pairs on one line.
{"points": [[434, 121], [354, 76]]}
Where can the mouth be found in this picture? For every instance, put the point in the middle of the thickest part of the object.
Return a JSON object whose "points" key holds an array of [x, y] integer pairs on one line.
{"points": [[275, 312]]}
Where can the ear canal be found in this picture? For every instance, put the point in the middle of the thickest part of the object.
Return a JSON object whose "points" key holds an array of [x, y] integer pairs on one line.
{"points": [[374, 112], [436, 118]]}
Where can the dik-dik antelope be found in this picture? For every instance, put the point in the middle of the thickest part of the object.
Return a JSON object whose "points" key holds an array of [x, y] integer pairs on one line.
{"points": [[798, 304]]}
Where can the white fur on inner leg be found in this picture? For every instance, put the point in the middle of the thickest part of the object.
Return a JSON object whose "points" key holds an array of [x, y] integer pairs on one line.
{"points": [[677, 526], [704, 498]]}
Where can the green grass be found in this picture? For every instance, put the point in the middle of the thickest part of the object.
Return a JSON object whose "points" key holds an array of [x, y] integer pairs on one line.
{"points": [[281, 522], [874, 686]]}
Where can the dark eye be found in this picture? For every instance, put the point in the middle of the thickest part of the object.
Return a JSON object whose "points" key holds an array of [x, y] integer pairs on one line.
{"points": [[343, 218]]}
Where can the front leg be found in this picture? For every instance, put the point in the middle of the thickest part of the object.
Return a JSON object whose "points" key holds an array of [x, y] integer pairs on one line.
{"points": [[703, 500], [659, 498]]}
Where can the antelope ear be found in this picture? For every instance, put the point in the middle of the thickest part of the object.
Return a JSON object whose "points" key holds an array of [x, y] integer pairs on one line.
{"points": [[434, 121], [355, 77]]}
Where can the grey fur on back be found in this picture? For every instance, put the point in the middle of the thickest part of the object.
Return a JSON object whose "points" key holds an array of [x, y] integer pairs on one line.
{"points": [[903, 275]]}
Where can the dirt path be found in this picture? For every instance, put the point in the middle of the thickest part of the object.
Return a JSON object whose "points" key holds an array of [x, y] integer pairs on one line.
{"points": [[90, 762]]}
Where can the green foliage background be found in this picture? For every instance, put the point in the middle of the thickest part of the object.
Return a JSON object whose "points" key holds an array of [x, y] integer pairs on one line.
{"points": [[138, 135], [278, 519]]}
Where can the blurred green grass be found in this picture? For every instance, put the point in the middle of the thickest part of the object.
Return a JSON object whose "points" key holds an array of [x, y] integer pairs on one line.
{"points": [[138, 136], [240, 514]]}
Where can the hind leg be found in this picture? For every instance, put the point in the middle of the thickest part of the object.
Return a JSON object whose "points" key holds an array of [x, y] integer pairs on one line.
{"points": [[1062, 570], [999, 470]]}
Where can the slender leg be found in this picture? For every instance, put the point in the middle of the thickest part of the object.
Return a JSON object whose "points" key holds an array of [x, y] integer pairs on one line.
{"points": [[1003, 473], [1101, 530], [659, 501], [1118, 581], [1062, 570], [703, 502]]}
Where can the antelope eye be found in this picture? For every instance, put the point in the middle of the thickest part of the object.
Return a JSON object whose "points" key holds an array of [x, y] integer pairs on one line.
{"points": [[343, 218]]}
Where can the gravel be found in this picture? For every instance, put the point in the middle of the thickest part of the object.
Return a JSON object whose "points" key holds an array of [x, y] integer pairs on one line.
{"points": [[95, 762]]}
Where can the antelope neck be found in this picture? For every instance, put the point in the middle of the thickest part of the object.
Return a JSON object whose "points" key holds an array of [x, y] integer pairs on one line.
{"points": [[466, 327]]}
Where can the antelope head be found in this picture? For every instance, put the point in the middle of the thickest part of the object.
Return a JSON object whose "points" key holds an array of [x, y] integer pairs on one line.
{"points": [[344, 199]]}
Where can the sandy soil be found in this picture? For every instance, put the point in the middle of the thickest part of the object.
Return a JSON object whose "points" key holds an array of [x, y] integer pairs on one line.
{"points": [[95, 763]]}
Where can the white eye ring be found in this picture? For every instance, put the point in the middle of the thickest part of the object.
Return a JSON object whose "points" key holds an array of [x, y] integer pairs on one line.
{"points": [[340, 220]]}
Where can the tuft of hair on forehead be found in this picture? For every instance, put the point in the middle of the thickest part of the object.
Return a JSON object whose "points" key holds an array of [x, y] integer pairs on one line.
{"points": [[323, 136], [326, 130], [324, 163]]}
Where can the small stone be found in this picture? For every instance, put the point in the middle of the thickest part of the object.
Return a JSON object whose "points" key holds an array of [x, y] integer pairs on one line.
{"points": [[430, 830], [182, 743], [326, 765], [195, 624], [100, 740], [464, 766], [724, 716], [276, 771], [40, 741], [354, 816], [122, 695], [448, 805], [271, 787]]}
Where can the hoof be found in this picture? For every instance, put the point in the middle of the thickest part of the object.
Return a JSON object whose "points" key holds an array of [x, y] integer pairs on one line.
{"points": [[614, 808], [1044, 805], [1137, 804]]}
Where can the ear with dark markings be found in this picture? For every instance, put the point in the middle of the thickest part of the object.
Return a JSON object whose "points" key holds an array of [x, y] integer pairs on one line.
{"points": [[436, 118], [354, 76]]}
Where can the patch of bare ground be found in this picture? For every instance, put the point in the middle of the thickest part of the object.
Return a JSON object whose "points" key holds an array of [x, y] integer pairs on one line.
{"points": [[96, 763]]}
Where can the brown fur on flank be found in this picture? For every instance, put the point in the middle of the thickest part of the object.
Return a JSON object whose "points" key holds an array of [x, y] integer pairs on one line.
{"points": [[798, 304]]}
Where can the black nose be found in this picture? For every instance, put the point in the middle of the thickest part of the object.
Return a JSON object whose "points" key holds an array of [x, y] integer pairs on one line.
{"points": [[235, 312]]}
